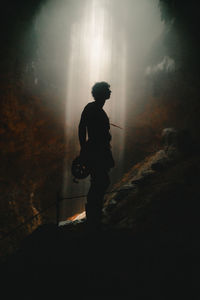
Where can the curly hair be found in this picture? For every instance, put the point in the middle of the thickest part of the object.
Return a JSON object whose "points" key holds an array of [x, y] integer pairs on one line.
{"points": [[99, 89]]}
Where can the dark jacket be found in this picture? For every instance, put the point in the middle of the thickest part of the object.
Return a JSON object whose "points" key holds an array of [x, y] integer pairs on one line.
{"points": [[97, 152]]}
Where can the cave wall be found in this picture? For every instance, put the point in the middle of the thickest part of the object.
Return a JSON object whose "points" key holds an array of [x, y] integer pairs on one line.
{"points": [[170, 97], [31, 127]]}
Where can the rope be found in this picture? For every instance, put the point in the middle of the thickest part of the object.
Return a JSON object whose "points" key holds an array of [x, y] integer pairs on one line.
{"points": [[54, 203], [116, 125]]}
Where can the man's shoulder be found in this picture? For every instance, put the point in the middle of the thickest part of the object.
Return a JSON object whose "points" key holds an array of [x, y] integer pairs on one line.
{"points": [[90, 107]]}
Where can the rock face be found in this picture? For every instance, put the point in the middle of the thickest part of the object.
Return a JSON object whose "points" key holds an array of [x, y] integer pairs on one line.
{"points": [[32, 137], [32, 152], [150, 234], [160, 193]]}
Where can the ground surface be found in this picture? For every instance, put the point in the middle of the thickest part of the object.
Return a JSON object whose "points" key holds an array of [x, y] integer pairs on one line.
{"points": [[148, 248], [113, 263]]}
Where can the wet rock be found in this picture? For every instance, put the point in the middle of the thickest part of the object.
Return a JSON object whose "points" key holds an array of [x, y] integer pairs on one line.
{"points": [[169, 137], [177, 142], [109, 207], [142, 177], [133, 195], [159, 161]]}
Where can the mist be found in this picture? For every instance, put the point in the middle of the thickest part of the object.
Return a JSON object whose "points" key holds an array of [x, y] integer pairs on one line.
{"points": [[82, 42]]}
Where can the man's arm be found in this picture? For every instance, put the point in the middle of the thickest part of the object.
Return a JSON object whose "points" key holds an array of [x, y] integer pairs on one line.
{"points": [[82, 131]]}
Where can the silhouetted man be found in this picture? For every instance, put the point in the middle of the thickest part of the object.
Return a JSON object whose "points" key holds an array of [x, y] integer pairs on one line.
{"points": [[95, 137]]}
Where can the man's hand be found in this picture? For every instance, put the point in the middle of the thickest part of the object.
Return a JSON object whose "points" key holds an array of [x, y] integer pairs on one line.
{"points": [[82, 151]]}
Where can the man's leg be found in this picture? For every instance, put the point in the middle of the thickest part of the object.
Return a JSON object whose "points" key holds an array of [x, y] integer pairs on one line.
{"points": [[99, 183]]}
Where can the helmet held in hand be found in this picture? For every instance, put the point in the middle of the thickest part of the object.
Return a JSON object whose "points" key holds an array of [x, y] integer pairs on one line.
{"points": [[79, 169]]}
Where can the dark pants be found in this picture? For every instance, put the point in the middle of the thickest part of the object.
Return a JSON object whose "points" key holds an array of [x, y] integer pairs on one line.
{"points": [[99, 183]]}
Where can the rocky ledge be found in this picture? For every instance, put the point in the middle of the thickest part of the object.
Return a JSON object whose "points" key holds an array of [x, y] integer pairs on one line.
{"points": [[148, 247]]}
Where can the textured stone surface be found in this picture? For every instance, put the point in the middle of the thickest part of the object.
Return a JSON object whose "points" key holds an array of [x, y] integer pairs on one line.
{"points": [[160, 198]]}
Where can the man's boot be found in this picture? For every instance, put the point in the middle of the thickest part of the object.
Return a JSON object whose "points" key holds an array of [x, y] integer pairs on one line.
{"points": [[93, 218]]}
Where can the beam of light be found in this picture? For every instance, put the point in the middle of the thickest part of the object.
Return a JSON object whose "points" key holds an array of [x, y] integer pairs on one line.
{"points": [[94, 56], [81, 42]]}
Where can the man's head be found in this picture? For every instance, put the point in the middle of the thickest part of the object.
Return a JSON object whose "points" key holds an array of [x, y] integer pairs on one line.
{"points": [[101, 91]]}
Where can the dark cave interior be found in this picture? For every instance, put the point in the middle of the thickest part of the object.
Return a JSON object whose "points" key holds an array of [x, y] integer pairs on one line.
{"points": [[34, 150]]}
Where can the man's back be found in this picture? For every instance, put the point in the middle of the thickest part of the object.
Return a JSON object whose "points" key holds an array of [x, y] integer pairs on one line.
{"points": [[97, 123]]}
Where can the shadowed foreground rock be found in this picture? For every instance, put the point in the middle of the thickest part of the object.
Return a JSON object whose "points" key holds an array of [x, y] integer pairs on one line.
{"points": [[148, 248], [111, 263]]}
